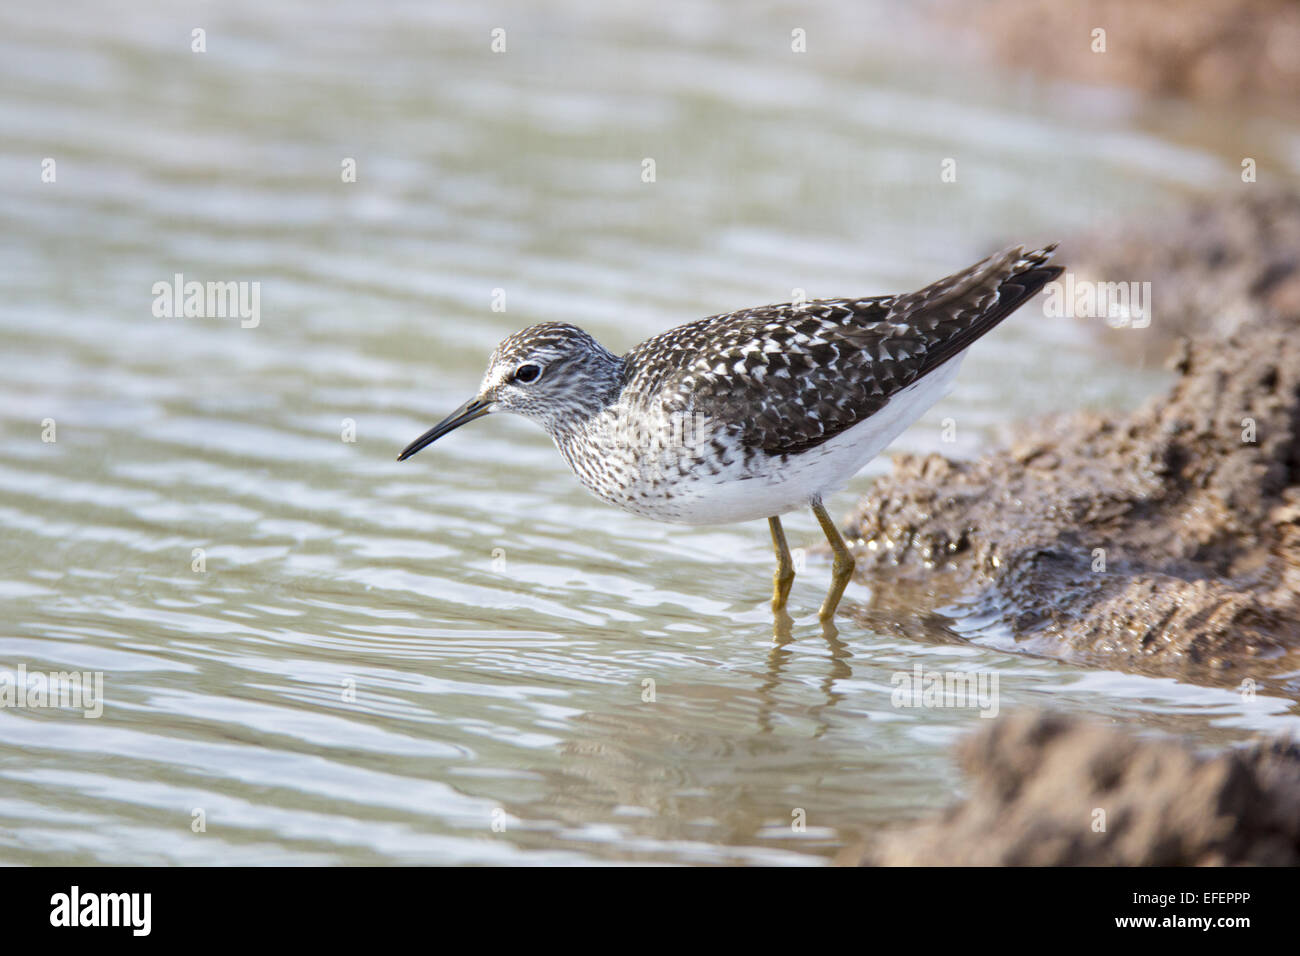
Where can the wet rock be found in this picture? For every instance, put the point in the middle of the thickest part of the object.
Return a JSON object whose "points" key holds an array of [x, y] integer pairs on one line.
{"points": [[1166, 541], [1213, 50], [1220, 265], [1046, 790]]}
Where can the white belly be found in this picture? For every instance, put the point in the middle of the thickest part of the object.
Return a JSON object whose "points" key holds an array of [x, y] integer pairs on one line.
{"points": [[733, 495]]}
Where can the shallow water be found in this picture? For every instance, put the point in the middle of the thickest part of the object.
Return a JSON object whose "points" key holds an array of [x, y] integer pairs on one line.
{"points": [[447, 660]]}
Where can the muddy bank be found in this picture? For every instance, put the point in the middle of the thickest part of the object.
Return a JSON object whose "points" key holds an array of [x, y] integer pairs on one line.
{"points": [[1166, 541], [1217, 51], [1219, 266], [1046, 790]]}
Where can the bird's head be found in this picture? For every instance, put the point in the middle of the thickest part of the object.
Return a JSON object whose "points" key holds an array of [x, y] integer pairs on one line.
{"points": [[554, 373]]}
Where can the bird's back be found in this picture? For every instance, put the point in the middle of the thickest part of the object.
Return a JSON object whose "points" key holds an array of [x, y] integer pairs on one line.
{"points": [[788, 377]]}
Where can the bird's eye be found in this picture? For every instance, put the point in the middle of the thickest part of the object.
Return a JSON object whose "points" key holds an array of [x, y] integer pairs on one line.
{"points": [[527, 373]]}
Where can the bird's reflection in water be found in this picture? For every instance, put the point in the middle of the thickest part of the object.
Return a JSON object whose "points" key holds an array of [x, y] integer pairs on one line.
{"points": [[927, 627], [729, 757], [837, 669]]}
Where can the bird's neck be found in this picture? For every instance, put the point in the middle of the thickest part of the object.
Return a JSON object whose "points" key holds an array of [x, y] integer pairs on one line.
{"points": [[602, 389]]}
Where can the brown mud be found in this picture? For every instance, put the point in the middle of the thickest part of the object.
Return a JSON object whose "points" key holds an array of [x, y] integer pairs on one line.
{"points": [[1046, 790], [1215, 267], [1219, 51], [1166, 541]]}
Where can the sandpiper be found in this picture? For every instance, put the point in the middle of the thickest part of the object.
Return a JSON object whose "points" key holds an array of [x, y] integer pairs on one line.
{"points": [[750, 414]]}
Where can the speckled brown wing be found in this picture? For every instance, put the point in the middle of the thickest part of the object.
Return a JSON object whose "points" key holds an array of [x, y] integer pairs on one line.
{"points": [[789, 377]]}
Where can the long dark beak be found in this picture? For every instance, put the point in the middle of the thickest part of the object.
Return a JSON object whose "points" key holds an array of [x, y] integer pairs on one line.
{"points": [[466, 413]]}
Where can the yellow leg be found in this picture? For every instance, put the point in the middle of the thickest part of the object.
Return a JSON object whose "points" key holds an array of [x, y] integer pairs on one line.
{"points": [[843, 567], [784, 576]]}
